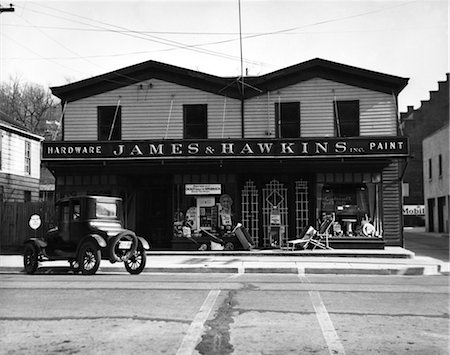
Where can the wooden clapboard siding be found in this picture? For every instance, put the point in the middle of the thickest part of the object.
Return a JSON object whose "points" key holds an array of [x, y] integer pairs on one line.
{"points": [[147, 113], [377, 110], [13, 154], [15, 185], [392, 200]]}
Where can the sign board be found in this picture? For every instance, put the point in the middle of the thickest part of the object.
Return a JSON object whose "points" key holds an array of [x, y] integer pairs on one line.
{"points": [[414, 210], [35, 221], [307, 148], [203, 189]]}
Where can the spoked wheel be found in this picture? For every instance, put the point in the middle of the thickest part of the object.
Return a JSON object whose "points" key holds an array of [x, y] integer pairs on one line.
{"points": [[89, 258], [74, 266], [30, 258], [136, 263]]}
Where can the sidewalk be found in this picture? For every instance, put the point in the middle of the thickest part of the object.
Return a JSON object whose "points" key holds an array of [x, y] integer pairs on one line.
{"points": [[390, 261]]}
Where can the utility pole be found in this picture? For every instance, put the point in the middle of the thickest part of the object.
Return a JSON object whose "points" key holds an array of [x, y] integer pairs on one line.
{"points": [[7, 9]]}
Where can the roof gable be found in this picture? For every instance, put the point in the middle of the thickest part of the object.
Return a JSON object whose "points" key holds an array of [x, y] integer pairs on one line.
{"points": [[226, 86]]}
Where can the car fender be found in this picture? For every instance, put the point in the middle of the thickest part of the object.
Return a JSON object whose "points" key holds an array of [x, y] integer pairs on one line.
{"points": [[98, 238], [38, 242], [144, 243]]}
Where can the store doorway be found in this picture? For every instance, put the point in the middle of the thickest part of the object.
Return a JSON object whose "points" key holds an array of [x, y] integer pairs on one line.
{"points": [[153, 216]]}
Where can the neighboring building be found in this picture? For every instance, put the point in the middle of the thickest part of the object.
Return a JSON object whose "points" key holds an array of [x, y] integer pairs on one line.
{"points": [[20, 160], [416, 125], [46, 185], [276, 152], [436, 180]]}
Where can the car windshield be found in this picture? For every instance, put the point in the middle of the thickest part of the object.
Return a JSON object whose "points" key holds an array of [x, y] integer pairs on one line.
{"points": [[106, 209]]}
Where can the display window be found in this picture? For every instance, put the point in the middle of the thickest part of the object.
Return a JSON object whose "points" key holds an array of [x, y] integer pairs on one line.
{"points": [[204, 207], [355, 208]]}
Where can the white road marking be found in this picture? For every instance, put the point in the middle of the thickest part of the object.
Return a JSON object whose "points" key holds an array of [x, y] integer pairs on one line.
{"points": [[334, 344], [195, 330]]}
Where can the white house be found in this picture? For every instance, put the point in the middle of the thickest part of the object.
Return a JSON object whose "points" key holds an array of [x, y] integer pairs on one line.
{"points": [[20, 161]]}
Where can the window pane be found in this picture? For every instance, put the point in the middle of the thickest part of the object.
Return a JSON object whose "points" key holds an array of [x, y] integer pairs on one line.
{"points": [[195, 121], [287, 115], [346, 114], [106, 120]]}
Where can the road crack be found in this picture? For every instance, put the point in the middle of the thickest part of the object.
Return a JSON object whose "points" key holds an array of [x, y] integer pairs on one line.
{"points": [[216, 340]]}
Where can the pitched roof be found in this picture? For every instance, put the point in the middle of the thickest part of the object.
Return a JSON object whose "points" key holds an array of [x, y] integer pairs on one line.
{"points": [[230, 87]]}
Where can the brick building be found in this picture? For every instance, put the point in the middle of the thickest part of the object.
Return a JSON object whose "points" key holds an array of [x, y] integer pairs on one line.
{"points": [[417, 124]]}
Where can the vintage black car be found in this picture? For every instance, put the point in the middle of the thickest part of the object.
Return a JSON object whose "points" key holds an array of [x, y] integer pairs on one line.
{"points": [[89, 229]]}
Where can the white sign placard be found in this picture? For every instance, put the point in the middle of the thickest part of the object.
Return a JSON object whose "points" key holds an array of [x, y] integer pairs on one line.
{"points": [[35, 221], [414, 210], [203, 189]]}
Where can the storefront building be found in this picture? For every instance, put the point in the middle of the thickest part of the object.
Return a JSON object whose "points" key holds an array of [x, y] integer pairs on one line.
{"points": [[191, 152]]}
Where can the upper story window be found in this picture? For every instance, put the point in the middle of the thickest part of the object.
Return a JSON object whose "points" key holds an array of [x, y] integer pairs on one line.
{"points": [[440, 165], [27, 158], [195, 119], [346, 118], [287, 118], [430, 169], [109, 123]]}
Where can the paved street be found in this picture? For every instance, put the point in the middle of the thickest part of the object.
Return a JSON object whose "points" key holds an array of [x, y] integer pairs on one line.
{"points": [[434, 245], [223, 314]]}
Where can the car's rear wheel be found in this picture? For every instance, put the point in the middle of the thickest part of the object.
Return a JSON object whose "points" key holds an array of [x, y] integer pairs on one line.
{"points": [[89, 258], [30, 258], [136, 263], [74, 266]]}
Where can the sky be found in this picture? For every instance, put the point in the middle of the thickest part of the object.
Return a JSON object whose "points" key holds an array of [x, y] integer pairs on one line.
{"points": [[53, 43]]}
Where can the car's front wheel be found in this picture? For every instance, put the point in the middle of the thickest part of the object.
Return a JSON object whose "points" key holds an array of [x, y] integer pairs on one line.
{"points": [[136, 263], [30, 258], [89, 258]]}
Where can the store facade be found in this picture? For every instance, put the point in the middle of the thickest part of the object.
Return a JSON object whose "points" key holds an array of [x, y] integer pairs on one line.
{"points": [[190, 152]]}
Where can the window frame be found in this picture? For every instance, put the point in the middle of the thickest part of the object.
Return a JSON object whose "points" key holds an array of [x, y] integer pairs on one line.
{"points": [[339, 126], [430, 169], [104, 128], [27, 158], [189, 128], [281, 128]]}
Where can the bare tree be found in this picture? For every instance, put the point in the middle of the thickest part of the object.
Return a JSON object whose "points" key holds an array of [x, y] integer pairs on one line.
{"points": [[31, 105]]}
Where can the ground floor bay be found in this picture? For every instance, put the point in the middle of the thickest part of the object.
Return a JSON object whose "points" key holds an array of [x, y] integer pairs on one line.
{"points": [[172, 204]]}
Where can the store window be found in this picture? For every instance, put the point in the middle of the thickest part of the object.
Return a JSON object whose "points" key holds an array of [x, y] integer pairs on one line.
{"points": [[207, 204], [353, 206], [287, 118], [109, 123], [346, 118], [195, 121]]}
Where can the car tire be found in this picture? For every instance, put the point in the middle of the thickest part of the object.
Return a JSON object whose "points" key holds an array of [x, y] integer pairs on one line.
{"points": [[136, 263], [74, 266], [30, 258], [113, 246], [89, 258]]}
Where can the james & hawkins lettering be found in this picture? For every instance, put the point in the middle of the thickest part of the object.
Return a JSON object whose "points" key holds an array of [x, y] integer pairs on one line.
{"points": [[230, 148]]}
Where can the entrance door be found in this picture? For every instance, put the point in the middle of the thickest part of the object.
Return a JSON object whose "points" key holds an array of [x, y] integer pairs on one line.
{"points": [[153, 216]]}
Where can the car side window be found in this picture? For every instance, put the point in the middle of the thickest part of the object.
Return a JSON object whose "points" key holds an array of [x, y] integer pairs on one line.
{"points": [[76, 211]]}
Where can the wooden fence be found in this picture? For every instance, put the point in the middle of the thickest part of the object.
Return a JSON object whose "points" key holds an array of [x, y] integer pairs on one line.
{"points": [[14, 219]]}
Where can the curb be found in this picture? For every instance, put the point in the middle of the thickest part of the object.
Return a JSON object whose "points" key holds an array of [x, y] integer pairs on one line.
{"points": [[401, 271]]}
